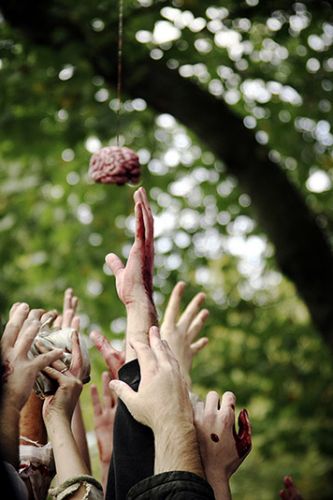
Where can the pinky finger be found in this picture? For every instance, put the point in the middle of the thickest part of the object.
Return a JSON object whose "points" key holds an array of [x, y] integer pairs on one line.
{"points": [[199, 345]]}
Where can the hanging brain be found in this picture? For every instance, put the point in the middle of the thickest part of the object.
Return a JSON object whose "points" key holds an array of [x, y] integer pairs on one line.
{"points": [[115, 165]]}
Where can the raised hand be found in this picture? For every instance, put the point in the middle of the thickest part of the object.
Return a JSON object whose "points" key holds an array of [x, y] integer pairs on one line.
{"points": [[69, 318], [163, 404], [104, 415], [161, 380], [114, 359], [19, 370], [62, 403], [19, 373], [289, 492], [222, 448], [181, 332], [134, 281], [58, 411]]}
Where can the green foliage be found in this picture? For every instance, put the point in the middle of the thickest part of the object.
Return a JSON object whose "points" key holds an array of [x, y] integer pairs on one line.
{"points": [[56, 226]]}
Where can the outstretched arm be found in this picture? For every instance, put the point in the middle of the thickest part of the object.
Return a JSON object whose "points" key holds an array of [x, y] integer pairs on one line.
{"points": [[57, 413], [134, 281], [19, 373], [162, 403], [70, 318]]}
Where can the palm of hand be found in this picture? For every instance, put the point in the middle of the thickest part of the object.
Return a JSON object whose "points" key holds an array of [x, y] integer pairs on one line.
{"points": [[129, 282], [180, 345], [134, 282]]}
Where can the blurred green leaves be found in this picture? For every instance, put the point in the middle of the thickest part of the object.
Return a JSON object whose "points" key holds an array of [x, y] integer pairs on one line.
{"points": [[56, 226]]}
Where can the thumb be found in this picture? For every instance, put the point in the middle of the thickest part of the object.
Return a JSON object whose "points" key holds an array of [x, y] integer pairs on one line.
{"points": [[125, 393], [114, 263]]}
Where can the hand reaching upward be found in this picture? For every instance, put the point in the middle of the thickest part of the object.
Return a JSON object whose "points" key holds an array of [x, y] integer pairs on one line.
{"points": [[134, 281], [181, 332], [222, 449]]}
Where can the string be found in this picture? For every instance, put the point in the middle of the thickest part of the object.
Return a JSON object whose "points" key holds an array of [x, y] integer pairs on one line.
{"points": [[119, 64]]}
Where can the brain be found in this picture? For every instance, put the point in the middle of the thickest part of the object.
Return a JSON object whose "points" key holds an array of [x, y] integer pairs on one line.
{"points": [[115, 165]]}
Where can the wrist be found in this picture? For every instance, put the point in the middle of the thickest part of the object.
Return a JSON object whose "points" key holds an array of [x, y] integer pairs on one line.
{"points": [[55, 421], [176, 448], [174, 425], [9, 410], [220, 487]]}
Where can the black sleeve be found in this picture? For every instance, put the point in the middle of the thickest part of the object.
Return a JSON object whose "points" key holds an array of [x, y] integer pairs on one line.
{"points": [[133, 444], [176, 485]]}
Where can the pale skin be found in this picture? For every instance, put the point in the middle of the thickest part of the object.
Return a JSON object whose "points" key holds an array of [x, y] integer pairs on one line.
{"points": [[31, 422], [222, 449], [134, 282], [58, 411], [70, 319], [181, 330], [19, 372], [104, 408], [162, 403]]}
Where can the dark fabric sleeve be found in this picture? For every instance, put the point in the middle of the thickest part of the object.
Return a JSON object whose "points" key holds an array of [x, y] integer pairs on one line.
{"points": [[176, 485], [133, 444]]}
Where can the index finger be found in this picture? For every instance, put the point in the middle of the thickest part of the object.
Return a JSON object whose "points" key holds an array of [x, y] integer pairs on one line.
{"points": [[172, 308], [68, 299], [14, 325]]}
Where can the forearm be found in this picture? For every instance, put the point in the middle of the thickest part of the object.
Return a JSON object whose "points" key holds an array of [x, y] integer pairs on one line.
{"points": [[141, 315], [176, 449], [79, 434], [220, 485], [67, 457], [104, 473], [31, 421], [9, 433]]}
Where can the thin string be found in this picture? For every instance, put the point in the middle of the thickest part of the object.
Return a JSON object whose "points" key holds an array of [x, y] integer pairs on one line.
{"points": [[119, 63]]}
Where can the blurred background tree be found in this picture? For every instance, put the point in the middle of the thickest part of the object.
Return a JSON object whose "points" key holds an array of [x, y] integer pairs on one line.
{"points": [[229, 105]]}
